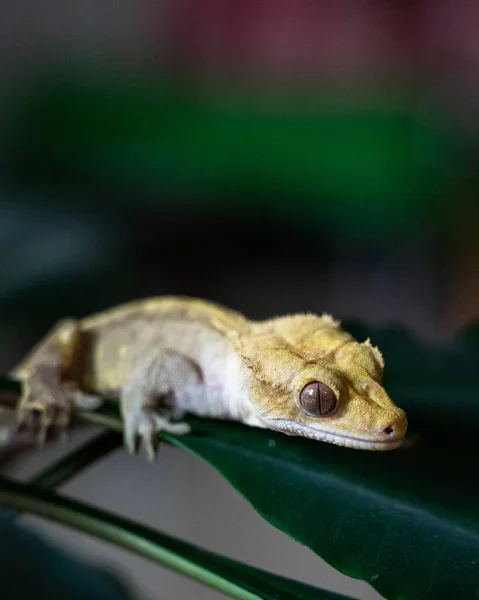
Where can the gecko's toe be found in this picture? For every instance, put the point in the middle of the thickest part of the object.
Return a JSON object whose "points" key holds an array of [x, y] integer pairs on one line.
{"points": [[163, 424], [145, 426], [150, 445], [180, 428], [25, 418], [40, 412], [28, 419], [148, 435], [84, 401], [141, 431], [131, 439], [21, 419], [62, 423], [41, 432], [46, 421]]}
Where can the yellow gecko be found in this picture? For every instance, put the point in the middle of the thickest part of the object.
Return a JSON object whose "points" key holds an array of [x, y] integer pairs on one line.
{"points": [[163, 357]]}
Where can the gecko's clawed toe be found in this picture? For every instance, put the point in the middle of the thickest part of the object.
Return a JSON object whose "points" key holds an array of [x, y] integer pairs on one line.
{"points": [[147, 432], [131, 440], [40, 416], [163, 424], [150, 445], [46, 419], [62, 421], [84, 401], [142, 428], [21, 420], [140, 431], [180, 428], [26, 418]]}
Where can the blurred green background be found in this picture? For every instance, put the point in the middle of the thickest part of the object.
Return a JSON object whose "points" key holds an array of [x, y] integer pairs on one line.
{"points": [[271, 156]]}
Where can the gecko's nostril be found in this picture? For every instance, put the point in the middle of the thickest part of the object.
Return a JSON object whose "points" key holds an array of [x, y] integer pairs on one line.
{"points": [[389, 429]]}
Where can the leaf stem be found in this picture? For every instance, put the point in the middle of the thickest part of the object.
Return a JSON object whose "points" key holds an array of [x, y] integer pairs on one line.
{"points": [[182, 557], [78, 460]]}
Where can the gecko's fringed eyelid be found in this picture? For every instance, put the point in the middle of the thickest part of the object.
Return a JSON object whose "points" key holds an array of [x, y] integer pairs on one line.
{"points": [[317, 399]]}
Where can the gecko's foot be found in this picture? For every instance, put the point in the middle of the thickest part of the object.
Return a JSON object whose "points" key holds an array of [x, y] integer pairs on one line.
{"points": [[141, 429], [41, 416], [42, 408]]}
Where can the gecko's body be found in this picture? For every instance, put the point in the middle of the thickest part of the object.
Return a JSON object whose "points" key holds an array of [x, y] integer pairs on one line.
{"points": [[162, 357]]}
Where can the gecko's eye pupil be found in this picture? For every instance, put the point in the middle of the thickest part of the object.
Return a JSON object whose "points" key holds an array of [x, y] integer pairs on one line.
{"points": [[317, 399]]}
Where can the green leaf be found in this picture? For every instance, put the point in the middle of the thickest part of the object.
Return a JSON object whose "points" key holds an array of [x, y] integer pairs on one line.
{"points": [[407, 522]]}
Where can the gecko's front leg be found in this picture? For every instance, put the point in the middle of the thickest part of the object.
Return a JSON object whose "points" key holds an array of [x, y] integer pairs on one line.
{"points": [[149, 400]]}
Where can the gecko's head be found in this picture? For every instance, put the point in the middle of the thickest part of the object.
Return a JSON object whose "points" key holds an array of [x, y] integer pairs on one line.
{"points": [[307, 377]]}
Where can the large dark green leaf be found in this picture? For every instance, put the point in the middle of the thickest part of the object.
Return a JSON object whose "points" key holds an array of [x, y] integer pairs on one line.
{"points": [[406, 521]]}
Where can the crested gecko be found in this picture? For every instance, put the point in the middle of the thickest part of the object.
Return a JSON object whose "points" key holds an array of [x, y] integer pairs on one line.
{"points": [[163, 357]]}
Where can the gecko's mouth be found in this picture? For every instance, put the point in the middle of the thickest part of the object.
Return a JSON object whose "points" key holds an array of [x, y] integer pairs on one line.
{"points": [[335, 438], [360, 444]]}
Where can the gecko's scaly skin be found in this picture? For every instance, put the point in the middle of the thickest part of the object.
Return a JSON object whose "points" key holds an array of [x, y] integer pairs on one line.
{"points": [[301, 374]]}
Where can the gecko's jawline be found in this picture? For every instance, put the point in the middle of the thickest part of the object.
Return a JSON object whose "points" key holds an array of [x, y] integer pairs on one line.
{"points": [[364, 444], [338, 439]]}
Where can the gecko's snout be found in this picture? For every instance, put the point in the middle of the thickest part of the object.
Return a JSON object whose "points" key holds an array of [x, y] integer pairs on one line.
{"points": [[396, 429]]}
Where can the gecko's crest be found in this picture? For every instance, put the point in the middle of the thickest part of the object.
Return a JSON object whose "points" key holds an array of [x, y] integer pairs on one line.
{"points": [[329, 321], [375, 350]]}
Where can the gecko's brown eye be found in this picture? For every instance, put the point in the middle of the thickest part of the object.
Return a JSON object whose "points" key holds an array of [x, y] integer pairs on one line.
{"points": [[317, 399]]}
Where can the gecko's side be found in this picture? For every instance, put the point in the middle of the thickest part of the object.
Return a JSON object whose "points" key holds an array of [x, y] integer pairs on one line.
{"points": [[301, 374]]}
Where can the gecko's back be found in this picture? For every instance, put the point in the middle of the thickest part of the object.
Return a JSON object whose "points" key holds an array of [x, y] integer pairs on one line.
{"points": [[115, 341], [101, 350]]}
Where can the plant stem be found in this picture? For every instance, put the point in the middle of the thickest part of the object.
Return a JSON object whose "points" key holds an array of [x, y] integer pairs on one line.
{"points": [[77, 461], [182, 557]]}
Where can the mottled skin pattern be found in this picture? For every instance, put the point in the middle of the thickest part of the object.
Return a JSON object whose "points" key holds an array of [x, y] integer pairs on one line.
{"points": [[165, 356]]}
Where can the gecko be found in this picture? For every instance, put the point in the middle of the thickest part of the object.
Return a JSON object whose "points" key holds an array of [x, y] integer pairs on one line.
{"points": [[164, 357]]}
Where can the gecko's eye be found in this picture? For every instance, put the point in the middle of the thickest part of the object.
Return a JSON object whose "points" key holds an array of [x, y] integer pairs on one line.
{"points": [[317, 399]]}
